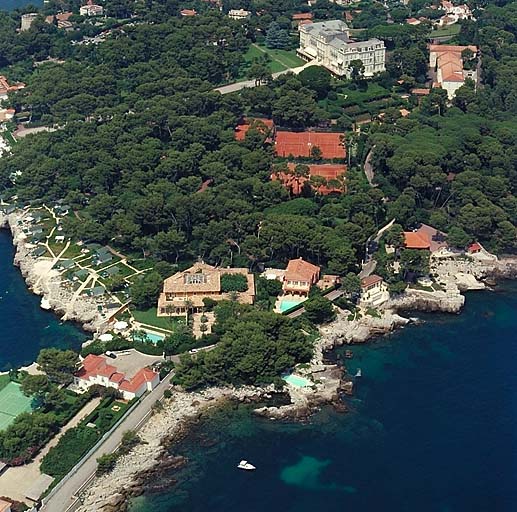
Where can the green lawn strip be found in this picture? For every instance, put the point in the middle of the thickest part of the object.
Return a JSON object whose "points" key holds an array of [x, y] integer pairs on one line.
{"points": [[4, 380], [287, 58], [255, 52], [451, 30], [150, 318], [9, 137]]}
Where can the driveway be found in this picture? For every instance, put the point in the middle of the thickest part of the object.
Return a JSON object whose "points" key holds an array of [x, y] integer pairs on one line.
{"points": [[130, 361], [237, 86], [16, 482], [65, 497]]}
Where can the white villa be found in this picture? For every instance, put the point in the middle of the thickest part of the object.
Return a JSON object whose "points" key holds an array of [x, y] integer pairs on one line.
{"points": [[329, 44], [239, 14], [97, 370], [374, 291], [448, 63]]}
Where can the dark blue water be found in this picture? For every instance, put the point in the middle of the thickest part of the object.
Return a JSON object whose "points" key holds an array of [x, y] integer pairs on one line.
{"points": [[24, 327], [433, 428], [9, 5]]}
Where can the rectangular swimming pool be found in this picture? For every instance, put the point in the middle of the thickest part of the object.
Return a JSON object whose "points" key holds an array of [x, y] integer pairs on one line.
{"points": [[155, 338], [297, 381], [288, 304]]}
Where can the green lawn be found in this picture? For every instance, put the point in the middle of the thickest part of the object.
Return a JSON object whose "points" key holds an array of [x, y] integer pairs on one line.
{"points": [[149, 317], [4, 380], [280, 59], [288, 58], [255, 53], [451, 30]]}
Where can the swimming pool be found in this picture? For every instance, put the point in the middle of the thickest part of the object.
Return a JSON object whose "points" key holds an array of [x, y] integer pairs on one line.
{"points": [[297, 381], [155, 338], [288, 304]]}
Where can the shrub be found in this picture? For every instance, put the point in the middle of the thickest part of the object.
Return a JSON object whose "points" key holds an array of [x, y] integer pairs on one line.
{"points": [[71, 447], [106, 463]]}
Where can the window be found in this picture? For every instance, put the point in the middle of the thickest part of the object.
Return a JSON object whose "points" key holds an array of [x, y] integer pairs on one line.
{"points": [[198, 278]]}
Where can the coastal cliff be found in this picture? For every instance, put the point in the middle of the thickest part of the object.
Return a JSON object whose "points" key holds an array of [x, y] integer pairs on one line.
{"points": [[42, 279]]}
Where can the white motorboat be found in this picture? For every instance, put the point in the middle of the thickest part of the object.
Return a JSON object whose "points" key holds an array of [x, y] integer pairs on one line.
{"points": [[359, 373], [244, 464]]}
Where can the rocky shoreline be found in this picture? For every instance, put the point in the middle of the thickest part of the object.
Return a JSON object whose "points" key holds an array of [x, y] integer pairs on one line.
{"points": [[46, 282], [111, 492]]}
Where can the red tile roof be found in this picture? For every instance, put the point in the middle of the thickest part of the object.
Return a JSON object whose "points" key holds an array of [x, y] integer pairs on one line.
{"points": [[188, 12], [475, 247], [97, 365], [420, 92], [299, 144], [262, 125], [303, 16], [370, 280], [144, 375], [425, 237], [414, 240], [5, 87], [301, 270], [327, 171], [117, 377]]}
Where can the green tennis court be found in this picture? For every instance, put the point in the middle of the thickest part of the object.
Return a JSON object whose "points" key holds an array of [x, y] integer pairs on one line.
{"points": [[12, 403]]}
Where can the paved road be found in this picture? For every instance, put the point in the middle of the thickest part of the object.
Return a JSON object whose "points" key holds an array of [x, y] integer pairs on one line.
{"points": [[237, 86], [65, 498]]}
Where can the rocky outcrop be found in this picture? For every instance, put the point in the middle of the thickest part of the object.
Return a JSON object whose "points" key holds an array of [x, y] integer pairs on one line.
{"points": [[43, 280], [420, 300], [150, 457]]}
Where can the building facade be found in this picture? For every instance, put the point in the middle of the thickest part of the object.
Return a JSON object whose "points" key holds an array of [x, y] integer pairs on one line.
{"points": [[447, 62], [28, 20], [299, 277], [91, 9], [239, 14], [328, 43], [185, 291], [96, 370], [374, 291]]}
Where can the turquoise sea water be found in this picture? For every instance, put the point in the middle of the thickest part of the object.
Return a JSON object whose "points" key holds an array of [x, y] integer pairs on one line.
{"points": [[432, 428], [9, 5], [24, 327]]}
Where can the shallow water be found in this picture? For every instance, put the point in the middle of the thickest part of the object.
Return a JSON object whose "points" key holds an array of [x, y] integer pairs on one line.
{"points": [[432, 428], [24, 327]]}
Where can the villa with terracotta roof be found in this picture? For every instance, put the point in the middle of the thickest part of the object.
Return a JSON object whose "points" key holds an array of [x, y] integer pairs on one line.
{"points": [[426, 238], [6, 88], [447, 61], [91, 9], [96, 370], [302, 18], [300, 144], [5, 506], [185, 291], [374, 291], [264, 126], [299, 277], [332, 173]]}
